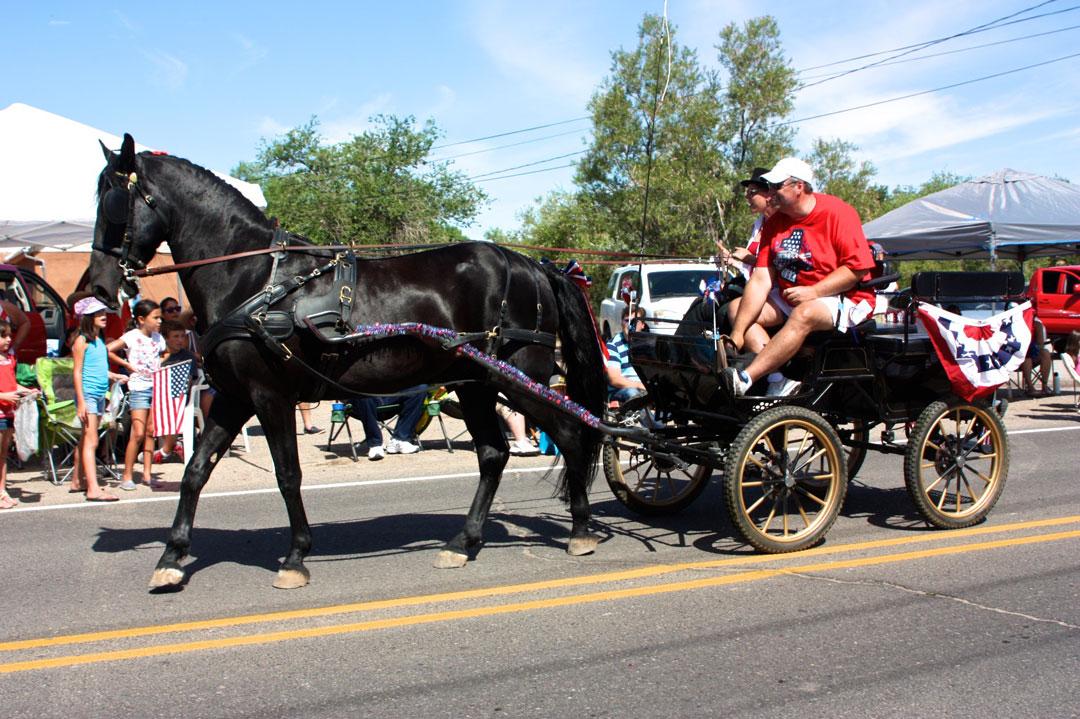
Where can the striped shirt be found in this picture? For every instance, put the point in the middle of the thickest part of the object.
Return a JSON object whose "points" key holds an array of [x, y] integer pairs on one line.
{"points": [[619, 357]]}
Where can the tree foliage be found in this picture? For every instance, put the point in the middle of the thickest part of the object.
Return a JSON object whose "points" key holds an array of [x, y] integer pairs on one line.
{"points": [[377, 187], [671, 140]]}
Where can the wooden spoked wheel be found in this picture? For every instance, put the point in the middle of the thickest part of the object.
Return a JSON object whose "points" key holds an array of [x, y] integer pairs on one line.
{"points": [[649, 484], [956, 463], [785, 479]]}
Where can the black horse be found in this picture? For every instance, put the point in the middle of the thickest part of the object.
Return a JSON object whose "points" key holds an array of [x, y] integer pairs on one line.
{"points": [[147, 198]]}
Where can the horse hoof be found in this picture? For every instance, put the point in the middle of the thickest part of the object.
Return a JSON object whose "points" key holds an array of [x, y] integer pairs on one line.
{"points": [[582, 545], [167, 577], [451, 560], [292, 578]]}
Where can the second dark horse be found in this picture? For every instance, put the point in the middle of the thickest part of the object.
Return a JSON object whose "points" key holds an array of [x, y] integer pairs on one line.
{"points": [[146, 199]]}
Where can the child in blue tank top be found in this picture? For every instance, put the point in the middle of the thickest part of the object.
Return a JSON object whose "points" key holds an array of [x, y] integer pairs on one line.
{"points": [[91, 385]]}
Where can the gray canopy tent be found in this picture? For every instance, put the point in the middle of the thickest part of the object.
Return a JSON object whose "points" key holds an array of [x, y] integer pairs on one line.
{"points": [[1004, 215]]}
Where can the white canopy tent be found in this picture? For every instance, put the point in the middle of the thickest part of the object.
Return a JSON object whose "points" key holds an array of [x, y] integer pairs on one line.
{"points": [[47, 189]]}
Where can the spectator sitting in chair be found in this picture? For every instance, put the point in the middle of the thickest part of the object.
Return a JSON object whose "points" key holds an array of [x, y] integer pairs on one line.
{"points": [[411, 408], [623, 381], [1038, 350], [813, 253]]}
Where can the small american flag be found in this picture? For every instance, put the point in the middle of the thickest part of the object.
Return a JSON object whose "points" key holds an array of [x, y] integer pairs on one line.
{"points": [[170, 396]]}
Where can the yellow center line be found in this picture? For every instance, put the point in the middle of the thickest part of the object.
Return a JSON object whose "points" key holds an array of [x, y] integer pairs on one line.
{"points": [[504, 590], [495, 610]]}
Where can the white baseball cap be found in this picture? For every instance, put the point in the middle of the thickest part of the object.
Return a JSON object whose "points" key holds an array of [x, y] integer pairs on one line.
{"points": [[789, 167]]}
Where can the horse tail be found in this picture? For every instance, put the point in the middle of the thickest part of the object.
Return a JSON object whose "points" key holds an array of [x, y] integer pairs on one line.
{"points": [[586, 382]]}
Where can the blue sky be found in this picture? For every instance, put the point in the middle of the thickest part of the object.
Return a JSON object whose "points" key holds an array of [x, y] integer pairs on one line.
{"points": [[208, 80]]}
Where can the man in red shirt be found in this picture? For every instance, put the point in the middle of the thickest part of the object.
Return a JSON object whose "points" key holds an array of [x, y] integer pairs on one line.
{"points": [[813, 254]]}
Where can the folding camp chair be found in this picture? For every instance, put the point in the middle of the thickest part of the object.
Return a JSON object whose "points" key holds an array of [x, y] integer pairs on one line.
{"points": [[59, 422]]}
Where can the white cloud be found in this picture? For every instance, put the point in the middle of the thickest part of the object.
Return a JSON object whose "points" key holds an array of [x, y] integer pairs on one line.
{"points": [[270, 127], [166, 69], [342, 128], [537, 45], [59, 23], [251, 53], [126, 22], [445, 101]]}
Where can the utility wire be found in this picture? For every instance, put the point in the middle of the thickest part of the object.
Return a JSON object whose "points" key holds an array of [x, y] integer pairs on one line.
{"points": [[927, 43], [531, 172], [512, 144], [959, 50], [938, 41], [529, 164], [926, 92], [512, 132]]}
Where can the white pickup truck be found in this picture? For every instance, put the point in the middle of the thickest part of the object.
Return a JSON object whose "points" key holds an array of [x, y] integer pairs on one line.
{"points": [[664, 290]]}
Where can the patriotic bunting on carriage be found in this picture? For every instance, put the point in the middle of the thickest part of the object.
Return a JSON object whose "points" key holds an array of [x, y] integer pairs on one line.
{"points": [[978, 355]]}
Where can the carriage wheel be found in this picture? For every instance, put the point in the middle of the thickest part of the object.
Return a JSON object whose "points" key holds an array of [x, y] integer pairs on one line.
{"points": [[785, 479], [651, 485], [956, 463]]}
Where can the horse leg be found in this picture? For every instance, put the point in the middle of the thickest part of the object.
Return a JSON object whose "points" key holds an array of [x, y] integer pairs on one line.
{"points": [[492, 453], [574, 442], [227, 416], [279, 422]]}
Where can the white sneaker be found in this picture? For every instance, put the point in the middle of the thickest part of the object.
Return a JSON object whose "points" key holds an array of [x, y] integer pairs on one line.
{"points": [[401, 446], [523, 448], [376, 453], [783, 387], [737, 381]]}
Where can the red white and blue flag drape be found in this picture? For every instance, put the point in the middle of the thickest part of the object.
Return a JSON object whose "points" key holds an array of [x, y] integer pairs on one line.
{"points": [[978, 355], [170, 397]]}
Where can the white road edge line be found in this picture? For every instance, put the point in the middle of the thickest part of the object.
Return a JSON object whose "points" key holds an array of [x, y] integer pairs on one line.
{"points": [[1044, 429], [269, 490], [342, 485]]}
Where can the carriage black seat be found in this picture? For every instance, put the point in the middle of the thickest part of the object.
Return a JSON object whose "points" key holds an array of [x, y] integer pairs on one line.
{"points": [[936, 287]]}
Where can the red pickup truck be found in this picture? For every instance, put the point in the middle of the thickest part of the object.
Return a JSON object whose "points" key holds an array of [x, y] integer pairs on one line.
{"points": [[46, 310], [1055, 294]]}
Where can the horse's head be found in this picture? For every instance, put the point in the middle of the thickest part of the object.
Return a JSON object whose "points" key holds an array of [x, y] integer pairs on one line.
{"points": [[131, 223]]}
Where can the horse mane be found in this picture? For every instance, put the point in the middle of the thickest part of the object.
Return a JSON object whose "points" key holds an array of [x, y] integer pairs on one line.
{"points": [[253, 212]]}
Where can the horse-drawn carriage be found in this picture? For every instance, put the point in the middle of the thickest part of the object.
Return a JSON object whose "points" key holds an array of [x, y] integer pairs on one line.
{"points": [[287, 321], [786, 461]]}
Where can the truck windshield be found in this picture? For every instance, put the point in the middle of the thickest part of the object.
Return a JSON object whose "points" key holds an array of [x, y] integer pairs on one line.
{"points": [[677, 283]]}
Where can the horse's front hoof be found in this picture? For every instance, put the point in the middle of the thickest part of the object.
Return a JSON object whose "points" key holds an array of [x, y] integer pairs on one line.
{"points": [[292, 578], [580, 546], [166, 577], [448, 559]]}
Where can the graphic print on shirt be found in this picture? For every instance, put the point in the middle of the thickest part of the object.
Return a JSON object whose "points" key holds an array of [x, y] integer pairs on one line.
{"points": [[793, 257]]}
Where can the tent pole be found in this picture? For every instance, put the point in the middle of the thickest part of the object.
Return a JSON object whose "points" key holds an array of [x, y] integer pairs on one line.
{"points": [[993, 251]]}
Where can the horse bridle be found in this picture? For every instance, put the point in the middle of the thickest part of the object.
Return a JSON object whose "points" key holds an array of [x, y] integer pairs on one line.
{"points": [[118, 204]]}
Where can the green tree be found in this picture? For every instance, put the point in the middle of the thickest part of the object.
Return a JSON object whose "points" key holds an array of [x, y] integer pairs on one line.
{"points": [[375, 188], [670, 143], [654, 141], [838, 173]]}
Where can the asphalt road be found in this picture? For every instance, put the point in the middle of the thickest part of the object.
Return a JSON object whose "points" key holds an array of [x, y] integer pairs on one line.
{"points": [[671, 618]]}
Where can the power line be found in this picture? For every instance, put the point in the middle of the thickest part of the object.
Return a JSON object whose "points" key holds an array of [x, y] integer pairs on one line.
{"points": [[938, 41], [963, 49], [927, 43], [926, 92], [530, 172], [512, 144], [512, 132], [529, 164]]}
